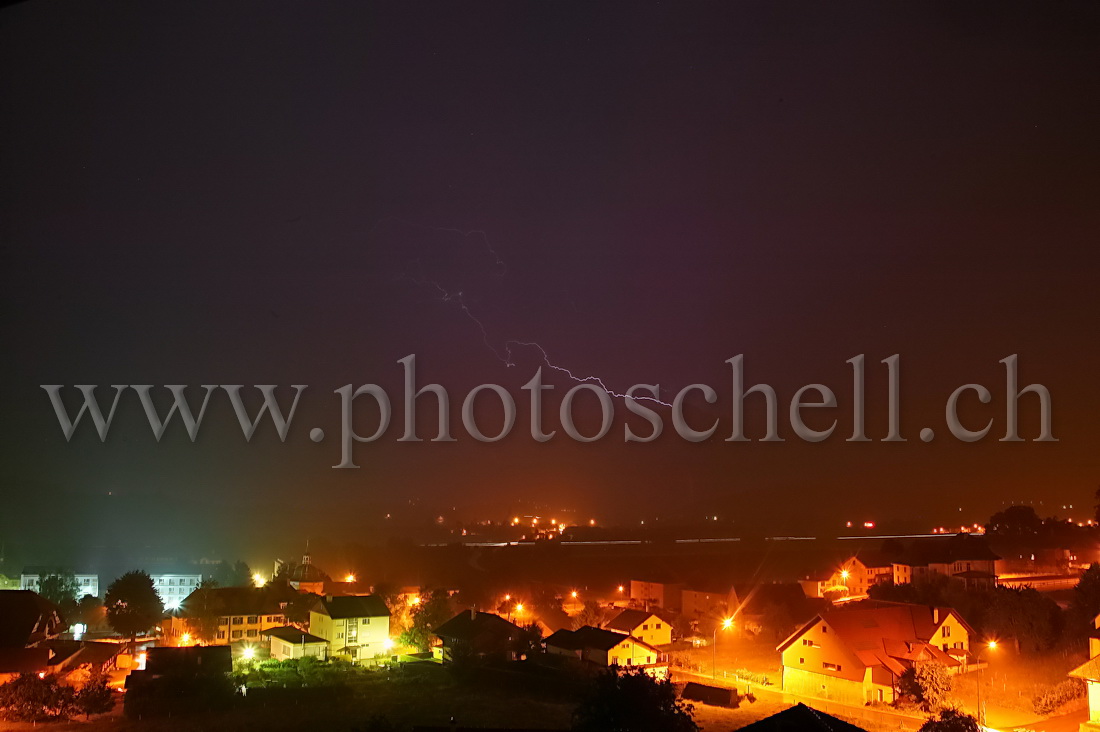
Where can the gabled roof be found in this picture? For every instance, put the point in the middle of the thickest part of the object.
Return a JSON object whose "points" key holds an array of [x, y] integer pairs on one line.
{"points": [[467, 625], [1089, 670], [268, 600], [628, 620], [353, 606], [586, 637], [893, 635], [290, 634], [801, 718], [26, 618]]}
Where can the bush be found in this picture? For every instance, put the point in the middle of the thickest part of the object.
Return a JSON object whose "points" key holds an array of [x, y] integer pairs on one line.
{"points": [[1048, 701], [926, 684], [28, 698], [753, 677]]}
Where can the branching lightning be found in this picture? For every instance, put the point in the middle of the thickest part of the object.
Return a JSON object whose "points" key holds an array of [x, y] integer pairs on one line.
{"points": [[505, 351]]}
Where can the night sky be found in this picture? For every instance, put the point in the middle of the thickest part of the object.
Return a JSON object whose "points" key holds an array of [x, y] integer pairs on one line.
{"points": [[281, 193]]}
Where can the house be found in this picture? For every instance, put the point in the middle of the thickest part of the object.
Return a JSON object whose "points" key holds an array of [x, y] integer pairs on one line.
{"points": [[174, 587], [651, 593], [965, 558], [696, 604], [484, 635], [1089, 672], [307, 577], [602, 647], [853, 577], [224, 615], [290, 642], [356, 627], [645, 626], [855, 655], [87, 582], [28, 623]]}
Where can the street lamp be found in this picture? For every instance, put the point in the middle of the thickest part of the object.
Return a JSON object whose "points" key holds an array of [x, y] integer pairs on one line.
{"points": [[726, 625], [990, 646]]}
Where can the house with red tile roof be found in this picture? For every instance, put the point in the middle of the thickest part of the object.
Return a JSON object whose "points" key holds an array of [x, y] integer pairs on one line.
{"points": [[855, 655]]}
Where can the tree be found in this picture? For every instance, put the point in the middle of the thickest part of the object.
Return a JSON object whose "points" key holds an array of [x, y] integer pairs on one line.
{"points": [[951, 720], [1015, 521], [1024, 615], [89, 611], [590, 614], [237, 574], [1085, 604], [133, 606], [926, 684], [633, 701], [28, 698], [434, 610], [95, 697], [204, 608], [60, 588]]}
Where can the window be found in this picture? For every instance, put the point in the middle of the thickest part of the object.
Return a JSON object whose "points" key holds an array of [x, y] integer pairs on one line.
{"points": [[614, 660], [221, 635], [252, 633], [657, 626], [802, 660], [647, 659], [252, 620], [366, 621], [238, 620], [947, 631], [236, 634], [830, 666], [824, 629], [339, 636], [645, 627]]}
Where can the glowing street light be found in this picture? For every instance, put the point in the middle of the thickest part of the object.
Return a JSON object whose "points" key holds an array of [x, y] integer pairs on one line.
{"points": [[621, 588], [990, 646], [258, 580], [185, 639], [349, 578], [414, 600], [573, 594], [388, 644], [727, 623], [248, 653], [519, 607]]}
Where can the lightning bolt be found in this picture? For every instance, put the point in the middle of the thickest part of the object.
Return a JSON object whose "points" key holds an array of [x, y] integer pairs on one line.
{"points": [[505, 351]]}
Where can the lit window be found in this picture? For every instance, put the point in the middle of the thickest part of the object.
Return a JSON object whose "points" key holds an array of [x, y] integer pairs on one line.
{"points": [[831, 666]]}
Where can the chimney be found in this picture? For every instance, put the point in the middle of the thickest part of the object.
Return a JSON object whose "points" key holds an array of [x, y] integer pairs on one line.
{"points": [[473, 613], [935, 616]]}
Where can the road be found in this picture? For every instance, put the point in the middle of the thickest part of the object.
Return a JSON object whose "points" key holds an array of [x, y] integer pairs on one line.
{"points": [[1064, 723]]}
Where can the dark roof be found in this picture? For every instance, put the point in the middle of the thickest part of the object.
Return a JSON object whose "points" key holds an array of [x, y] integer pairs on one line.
{"points": [[204, 660], [23, 660], [628, 620], [801, 718], [718, 696], [268, 600], [354, 606], [308, 572], [290, 634], [27, 618], [587, 637], [466, 626]]}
